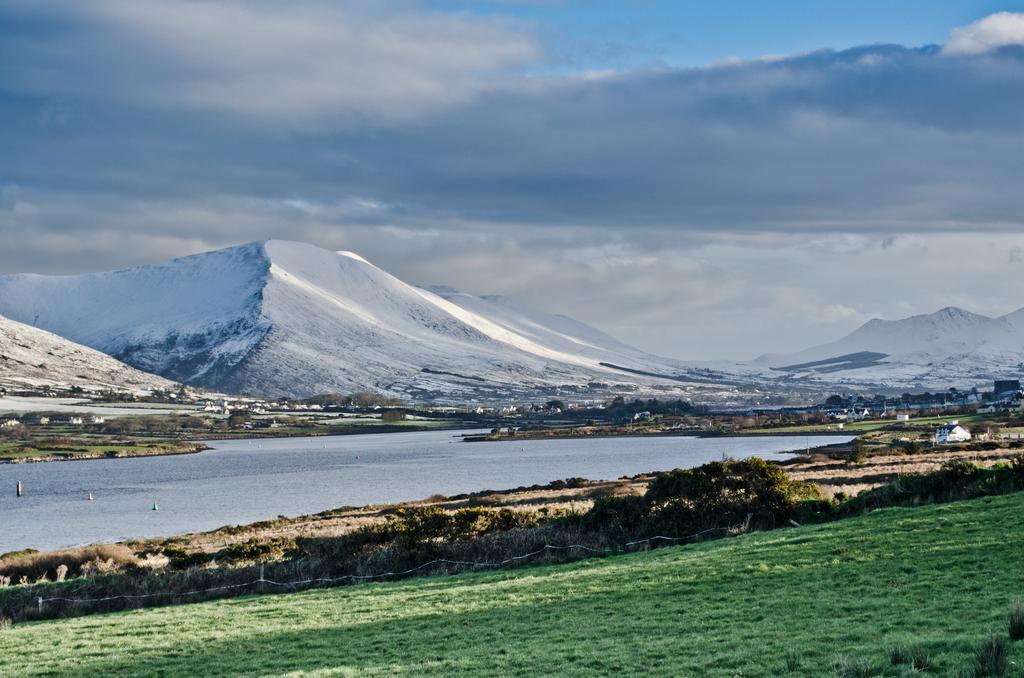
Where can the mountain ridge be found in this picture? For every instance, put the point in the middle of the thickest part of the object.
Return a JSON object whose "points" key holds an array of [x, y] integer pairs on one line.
{"points": [[951, 346], [286, 318]]}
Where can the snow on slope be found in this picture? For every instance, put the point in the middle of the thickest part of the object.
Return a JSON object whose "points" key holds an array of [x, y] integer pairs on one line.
{"points": [[288, 318], [187, 319], [34, 357], [948, 347], [557, 331]]}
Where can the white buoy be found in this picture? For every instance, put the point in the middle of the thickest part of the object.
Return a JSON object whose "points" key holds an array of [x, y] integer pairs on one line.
{"points": [[90, 496], [156, 507]]}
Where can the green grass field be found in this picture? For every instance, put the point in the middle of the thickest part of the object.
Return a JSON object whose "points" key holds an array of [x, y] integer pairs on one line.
{"points": [[923, 423], [789, 602]]}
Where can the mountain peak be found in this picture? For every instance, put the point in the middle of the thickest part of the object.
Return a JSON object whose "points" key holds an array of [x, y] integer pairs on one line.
{"points": [[353, 255], [936, 345], [283, 317], [956, 312]]}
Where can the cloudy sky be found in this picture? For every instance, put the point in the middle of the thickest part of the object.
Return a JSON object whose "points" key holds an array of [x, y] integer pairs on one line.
{"points": [[701, 179]]}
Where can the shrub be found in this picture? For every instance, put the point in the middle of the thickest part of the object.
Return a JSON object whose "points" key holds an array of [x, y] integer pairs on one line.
{"points": [[992, 657], [920, 659], [913, 447], [721, 494], [79, 562], [622, 516], [959, 469], [916, 657], [181, 559], [1017, 620], [900, 654], [418, 527], [854, 668], [259, 550]]}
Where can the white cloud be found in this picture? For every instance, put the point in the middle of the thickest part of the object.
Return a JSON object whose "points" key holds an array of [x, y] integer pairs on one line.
{"points": [[278, 60], [994, 31]]}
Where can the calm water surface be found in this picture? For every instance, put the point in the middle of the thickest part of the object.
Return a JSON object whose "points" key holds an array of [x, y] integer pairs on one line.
{"points": [[241, 481]]}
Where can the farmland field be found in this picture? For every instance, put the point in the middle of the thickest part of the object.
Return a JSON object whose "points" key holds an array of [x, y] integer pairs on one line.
{"points": [[794, 601]]}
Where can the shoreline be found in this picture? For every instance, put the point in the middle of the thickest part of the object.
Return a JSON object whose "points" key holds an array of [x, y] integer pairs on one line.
{"points": [[190, 448], [489, 438], [198, 444], [376, 429]]}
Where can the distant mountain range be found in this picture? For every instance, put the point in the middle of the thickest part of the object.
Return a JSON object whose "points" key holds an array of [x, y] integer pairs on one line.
{"points": [[284, 318], [33, 358], [946, 348]]}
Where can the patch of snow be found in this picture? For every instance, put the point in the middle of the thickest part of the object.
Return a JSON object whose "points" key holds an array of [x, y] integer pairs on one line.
{"points": [[31, 357]]}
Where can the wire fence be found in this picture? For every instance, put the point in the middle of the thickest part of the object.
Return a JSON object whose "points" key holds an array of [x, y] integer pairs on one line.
{"points": [[262, 581]]}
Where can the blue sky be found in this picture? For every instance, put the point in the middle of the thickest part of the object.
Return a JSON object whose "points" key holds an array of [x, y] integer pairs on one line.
{"points": [[609, 34], [609, 160]]}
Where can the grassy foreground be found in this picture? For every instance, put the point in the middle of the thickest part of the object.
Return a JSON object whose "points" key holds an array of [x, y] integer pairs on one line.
{"points": [[785, 602]]}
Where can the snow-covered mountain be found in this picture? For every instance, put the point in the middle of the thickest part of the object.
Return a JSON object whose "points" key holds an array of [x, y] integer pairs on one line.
{"points": [[30, 357], [276, 317], [950, 347], [281, 317]]}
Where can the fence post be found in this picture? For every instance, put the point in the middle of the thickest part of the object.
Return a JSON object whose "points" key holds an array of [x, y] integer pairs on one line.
{"points": [[40, 604], [260, 586]]}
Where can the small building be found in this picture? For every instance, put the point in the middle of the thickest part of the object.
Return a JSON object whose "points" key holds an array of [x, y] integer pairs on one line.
{"points": [[952, 432], [903, 417], [67, 420]]}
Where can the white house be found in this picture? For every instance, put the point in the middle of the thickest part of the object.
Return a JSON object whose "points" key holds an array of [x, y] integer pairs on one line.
{"points": [[952, 433], [70, 419], [902, 417]]}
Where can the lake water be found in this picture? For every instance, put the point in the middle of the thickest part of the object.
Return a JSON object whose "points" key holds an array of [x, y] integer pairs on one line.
{"points": [[242, 481]]}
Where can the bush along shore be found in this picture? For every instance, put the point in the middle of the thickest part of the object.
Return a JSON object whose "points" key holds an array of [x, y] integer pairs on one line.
{"points": [[686, 505]]}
